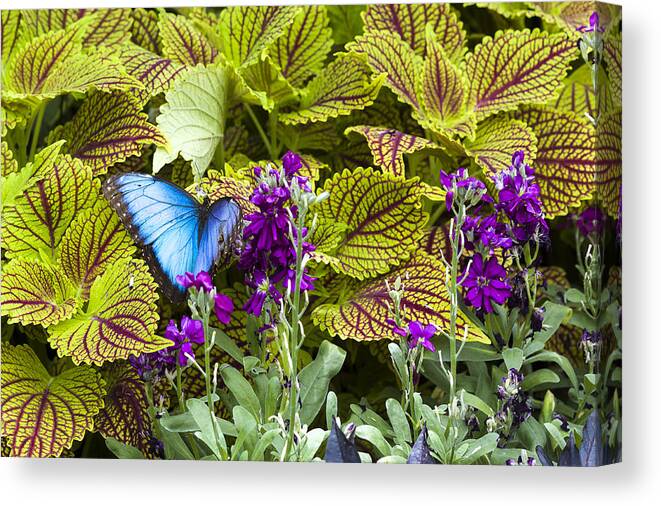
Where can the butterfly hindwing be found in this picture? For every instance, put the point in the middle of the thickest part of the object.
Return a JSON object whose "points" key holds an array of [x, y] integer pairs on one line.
{"points": [[175, 232]]}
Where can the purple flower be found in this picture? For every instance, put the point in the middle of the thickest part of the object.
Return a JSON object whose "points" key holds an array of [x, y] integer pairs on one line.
{"points": [[594, 24], [223, 307], [591, 221], [515, 401], [153, 366], [396, 329], [487, 232], [486, 283], [537, 319], [292, 163], [421, 335], [192, 332], [470, 188], [201, 281]]}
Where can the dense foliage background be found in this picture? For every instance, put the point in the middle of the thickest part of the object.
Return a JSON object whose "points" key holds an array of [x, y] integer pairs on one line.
{"points": [[376, 101]]}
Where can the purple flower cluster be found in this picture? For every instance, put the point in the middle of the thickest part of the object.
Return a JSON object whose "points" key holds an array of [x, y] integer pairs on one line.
{"points": [[519, 200], [591, 221], [269, 255], [460, 185], [486, 283], [515, 403], [192, 332]]}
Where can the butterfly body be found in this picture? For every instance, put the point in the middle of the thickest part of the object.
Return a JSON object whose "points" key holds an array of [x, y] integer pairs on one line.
{"points": [[177, 234]]}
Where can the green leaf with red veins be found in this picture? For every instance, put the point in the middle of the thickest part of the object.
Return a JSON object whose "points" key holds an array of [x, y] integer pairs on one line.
{"points": [[497, 139], [39, 218], [124, 415], [609, 161], [120, 319], [303, 48], [144, 29], [34, 293], [381, 215], [182, 42], [517, 67], [342, 87], [108, 129], [154, 72], [42, 415], [362, 316], [565, 167], [95, 240], [389, 146], [13, 33], [247, 32], [388, 54], [409, 21]]}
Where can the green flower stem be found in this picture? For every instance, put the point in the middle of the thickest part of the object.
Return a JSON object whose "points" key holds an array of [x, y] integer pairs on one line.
{"points": [[180, 394], [260, 131], [454, 297], [293, 338], [273, 130], [36, 132]]}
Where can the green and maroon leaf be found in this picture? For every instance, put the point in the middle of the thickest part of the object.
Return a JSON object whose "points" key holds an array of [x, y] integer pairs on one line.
{"points": [[182, 42], [443, 93], [435, 242], [613, 62], [363, 315], [144, 29], [124, 415], [389, 146], [42, 415], [107, 129], [34, 293], [496, 139], [343, 87], [609, 161], [12, 33], [154, 72], [577, 93], [302, 49], [410, 20], [217, 186], [95, 240], [247, 32], [517, 67], [119, 321], [565, 164], [388, 54], [8, 163], [37, 221], [264, 76], [382, 216]]}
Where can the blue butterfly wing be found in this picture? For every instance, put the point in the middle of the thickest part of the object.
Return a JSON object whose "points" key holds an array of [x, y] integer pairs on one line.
{"points": [[164, 221], [218, 233]]}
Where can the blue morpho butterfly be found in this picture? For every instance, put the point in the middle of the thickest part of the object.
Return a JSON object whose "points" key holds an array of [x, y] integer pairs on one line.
{"points": [[177, 234]]}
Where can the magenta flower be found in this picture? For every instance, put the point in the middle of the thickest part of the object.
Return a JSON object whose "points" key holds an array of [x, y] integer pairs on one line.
{"points": [[223, 307], [421, 335], [486, 283], [201, 281]]}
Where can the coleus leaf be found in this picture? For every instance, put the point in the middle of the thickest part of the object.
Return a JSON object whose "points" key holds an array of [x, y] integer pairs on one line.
{"points": [[362, 316], [107, 129], [37, 221], [248, 31], [154, 72], [265, 76], [302, 49], [517, 67], [36, 293], [565, 163], [193, 117], [388, 54], [570, 15], [381, 215], [54, 64], [119, 321], [608, 176], [95, 240], [613, 61], [342, 87], [442, 91], [105, 27], [124, 415], [12, 33], [144, 29], [410, 20], [182, 43], [577, 94], [216, 186], [42, 415], [389, 146], [496, 139]]}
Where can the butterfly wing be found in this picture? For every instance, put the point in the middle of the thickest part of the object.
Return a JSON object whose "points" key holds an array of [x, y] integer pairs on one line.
{"points": [[164, 220], [220, 228]]}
